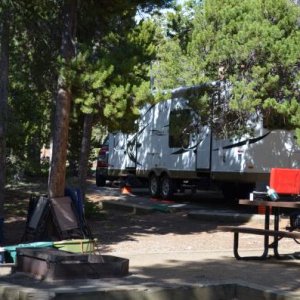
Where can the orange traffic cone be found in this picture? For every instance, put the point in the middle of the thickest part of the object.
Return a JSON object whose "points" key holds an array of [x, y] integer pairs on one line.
{"points": [[126, 190]]}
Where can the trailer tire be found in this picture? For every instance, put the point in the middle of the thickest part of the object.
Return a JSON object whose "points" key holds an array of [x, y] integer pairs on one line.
{"points": [[154, 186], [167, 187]]}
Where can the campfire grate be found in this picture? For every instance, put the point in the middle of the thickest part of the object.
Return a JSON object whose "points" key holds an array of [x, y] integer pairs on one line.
{"points": [[53, 264]]}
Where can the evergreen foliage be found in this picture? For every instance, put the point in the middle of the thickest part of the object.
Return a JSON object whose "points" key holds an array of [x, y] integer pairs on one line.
{"points": [[251, 45], [111, 79], [108, 77]]}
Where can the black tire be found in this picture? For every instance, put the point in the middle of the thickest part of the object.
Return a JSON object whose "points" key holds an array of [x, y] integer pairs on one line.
{"points": [[100, 180], [154, 186], [167, 187]]}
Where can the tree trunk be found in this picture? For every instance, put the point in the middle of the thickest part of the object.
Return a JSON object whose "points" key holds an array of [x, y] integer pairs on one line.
{"points": [[4, 63], [84, 152], [57, 174]]}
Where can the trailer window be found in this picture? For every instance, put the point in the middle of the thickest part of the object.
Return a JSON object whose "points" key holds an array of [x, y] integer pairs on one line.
{"points": [[180, 128]]}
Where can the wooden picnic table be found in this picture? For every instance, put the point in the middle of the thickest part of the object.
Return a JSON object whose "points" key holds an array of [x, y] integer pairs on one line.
{"points": [[275, 232]]}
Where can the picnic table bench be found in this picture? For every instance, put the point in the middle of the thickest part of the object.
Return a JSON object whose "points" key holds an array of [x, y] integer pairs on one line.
{"points": [[285, 182], [266, 231]]}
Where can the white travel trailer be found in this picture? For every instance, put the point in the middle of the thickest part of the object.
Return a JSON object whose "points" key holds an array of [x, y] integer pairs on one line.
{"points": [[172, 150]]}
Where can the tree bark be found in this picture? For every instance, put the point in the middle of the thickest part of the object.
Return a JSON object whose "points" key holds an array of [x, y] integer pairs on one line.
{"points": [[84, 152], [57, 174]]}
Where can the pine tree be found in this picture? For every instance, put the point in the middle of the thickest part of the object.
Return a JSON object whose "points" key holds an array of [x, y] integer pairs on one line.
{"points": [[253, 46]]}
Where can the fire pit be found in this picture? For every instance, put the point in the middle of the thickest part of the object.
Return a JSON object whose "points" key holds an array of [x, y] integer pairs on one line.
{"points": [[53, 264]]}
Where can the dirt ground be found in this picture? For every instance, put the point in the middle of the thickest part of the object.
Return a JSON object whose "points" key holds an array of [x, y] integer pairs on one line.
{"points": [[168, 248], [121, 232], [118, 231], [158, 232]]}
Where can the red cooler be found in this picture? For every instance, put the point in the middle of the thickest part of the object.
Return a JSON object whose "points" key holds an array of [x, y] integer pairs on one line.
{"points": [[285, 181]]}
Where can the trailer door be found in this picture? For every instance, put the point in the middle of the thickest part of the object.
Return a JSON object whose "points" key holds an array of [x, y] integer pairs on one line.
{"points": [[187, 133]]}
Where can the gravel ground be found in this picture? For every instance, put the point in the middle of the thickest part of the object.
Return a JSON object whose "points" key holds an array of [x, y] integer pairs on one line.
{"points": [[174, 249], [158, 232]]}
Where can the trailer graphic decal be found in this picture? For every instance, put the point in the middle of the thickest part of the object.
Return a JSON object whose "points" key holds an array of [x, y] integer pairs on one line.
{"points": [[183, 150], [244, 142], [133, 145]]}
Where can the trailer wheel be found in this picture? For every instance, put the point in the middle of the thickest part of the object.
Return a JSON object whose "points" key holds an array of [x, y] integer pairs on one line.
{"points": [[167, 187], [154, 186]]}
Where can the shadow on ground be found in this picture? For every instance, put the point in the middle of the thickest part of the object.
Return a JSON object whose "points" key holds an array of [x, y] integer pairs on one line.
{"points": [[276, 276], [112, 227]]}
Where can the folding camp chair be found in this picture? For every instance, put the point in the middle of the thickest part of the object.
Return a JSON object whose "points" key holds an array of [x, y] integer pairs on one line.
{"points": [[37, 219], [65, 218], [77, 200]]}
